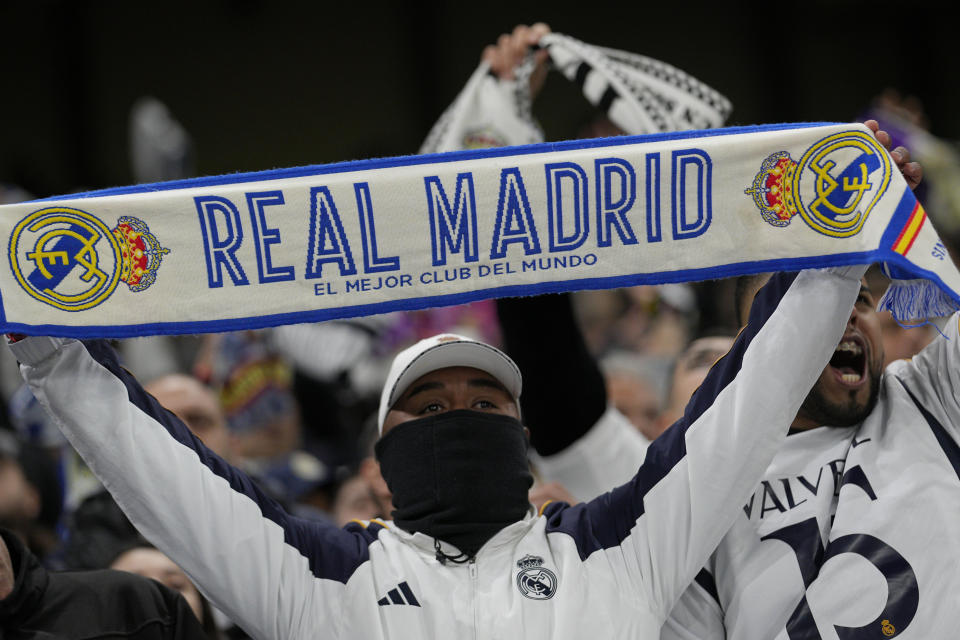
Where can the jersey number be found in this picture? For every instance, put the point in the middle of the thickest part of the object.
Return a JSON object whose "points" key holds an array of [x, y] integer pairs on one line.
{"points": [[903, 593]]}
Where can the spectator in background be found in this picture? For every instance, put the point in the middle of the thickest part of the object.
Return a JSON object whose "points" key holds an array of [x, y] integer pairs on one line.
{"points": [[635, 388], [355, 501], [644, 322], [100, 537], [199, 408], [653, 320], [656, 319], [145, 560], [254, 383], [33, 425], [39, 605], [97, 528], [336, 371], [30, 495], [689, 370]]}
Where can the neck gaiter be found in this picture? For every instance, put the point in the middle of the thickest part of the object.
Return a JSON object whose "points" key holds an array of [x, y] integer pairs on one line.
{"points": [[459, 476]]}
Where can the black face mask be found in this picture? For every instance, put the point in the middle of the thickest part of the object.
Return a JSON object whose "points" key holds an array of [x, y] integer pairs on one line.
{"points": [[459, 476]]}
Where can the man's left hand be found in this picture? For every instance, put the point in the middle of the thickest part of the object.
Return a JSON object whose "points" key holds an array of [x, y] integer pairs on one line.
{"points": [[912, 171]]}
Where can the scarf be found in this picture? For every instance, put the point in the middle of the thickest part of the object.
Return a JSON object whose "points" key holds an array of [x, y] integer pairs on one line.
{"points": [[254, 250], [639, 94]]}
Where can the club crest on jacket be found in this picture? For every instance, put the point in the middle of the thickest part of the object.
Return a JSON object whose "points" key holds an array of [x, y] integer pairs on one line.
{"points": [[533, 580]]}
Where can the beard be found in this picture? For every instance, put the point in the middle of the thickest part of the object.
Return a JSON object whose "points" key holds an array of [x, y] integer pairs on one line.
{"points": [[846, 413]]}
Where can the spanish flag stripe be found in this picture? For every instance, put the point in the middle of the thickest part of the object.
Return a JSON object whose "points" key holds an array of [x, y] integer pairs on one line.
{"points": [[910, 230]]}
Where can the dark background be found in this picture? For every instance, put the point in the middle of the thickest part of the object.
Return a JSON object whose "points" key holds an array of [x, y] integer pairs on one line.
{"points": [[264, 84]]}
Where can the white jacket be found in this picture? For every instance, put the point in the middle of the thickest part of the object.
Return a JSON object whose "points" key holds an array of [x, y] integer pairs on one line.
{"points": [[610, 568]]}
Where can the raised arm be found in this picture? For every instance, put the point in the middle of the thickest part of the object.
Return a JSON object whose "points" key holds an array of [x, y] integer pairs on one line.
{"points": [[236, 544], [564, 393], [583, 443], [660, 528]]}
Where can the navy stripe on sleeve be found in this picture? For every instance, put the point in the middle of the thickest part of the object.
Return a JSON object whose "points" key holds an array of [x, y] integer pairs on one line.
{"points": [[947, 443], [332, 553], [607, 520]]}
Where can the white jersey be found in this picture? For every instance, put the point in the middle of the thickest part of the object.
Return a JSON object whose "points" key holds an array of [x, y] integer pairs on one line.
{"points": [[855, 532], [610, 568]]}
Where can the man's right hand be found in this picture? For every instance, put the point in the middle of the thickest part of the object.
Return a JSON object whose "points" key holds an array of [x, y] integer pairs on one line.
{"points": [[512, 48]]}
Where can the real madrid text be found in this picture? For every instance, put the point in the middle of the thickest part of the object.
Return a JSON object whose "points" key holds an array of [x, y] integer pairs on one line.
{"points": [[576, 212]]}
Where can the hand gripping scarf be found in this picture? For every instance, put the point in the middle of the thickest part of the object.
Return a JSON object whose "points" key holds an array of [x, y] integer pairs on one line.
{"points": [[639, 94]]}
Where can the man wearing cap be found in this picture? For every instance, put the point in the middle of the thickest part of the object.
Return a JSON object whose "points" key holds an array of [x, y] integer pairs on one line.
{"points": [[465, 554]]}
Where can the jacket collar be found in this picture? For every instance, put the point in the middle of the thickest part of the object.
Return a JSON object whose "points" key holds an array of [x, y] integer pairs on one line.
{"points": [[506, 536]]}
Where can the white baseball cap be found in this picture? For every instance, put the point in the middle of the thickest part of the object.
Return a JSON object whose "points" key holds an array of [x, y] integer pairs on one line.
{"points": [[442, 351]]}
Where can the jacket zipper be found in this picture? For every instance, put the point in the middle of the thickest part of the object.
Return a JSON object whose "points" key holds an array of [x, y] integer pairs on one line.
{"points": [[472, 570]]}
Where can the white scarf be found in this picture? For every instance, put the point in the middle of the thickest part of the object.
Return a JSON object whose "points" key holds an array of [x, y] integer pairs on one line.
{"points": [[639, 94], [314, 243]]}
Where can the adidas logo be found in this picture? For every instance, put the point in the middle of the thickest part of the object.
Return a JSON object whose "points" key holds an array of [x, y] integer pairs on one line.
{"points": [[394, 596]]}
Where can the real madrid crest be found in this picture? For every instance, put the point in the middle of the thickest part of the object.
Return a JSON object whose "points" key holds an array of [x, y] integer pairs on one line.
{"points": [[887, 628], [72, 260], [833, 186], [533, 580]]}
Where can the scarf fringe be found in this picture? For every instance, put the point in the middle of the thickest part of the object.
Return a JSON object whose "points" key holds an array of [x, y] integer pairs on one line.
{"points": [[912, 300]]}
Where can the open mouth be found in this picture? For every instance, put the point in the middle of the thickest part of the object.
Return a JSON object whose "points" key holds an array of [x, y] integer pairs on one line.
{"points": [[849, 361]]}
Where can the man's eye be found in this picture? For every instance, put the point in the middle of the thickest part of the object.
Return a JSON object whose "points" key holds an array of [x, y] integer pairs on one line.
{"points": [[433, 407], [484, 404]]}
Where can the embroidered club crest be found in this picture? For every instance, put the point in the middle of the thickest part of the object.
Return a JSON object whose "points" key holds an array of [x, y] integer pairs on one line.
{"points": [[533, 580], [833, 186], [71, 260]]}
